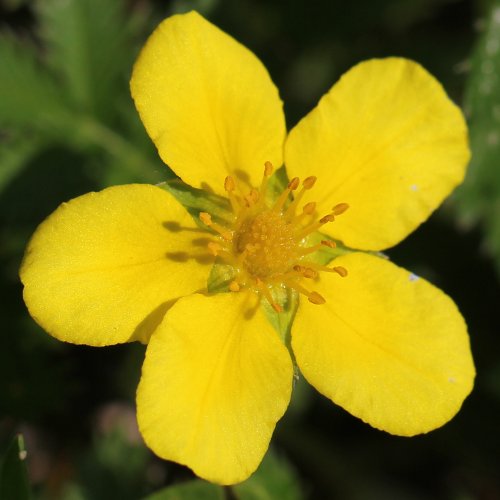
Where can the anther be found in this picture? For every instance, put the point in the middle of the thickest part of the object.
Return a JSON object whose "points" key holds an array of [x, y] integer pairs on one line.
{"points": [[306, 272], [340, 208], [276, 307], [341, 271], [252, 197], [294, 184], [328, 243], [206, 218], [310, 273], [214, 248], [268, 169], [229, 184], [234, 286], [267, 294], [309, 208], [309, 182], [327, 218], [316, 298]]}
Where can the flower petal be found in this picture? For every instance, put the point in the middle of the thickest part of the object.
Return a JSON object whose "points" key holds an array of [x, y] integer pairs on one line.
{"points": [[387, 346], [104, 268], [386, 140], [208, 103], [215, 380]]}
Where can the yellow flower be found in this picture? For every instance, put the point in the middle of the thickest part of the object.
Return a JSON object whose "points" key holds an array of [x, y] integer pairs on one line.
{"points": [[130, 263]]}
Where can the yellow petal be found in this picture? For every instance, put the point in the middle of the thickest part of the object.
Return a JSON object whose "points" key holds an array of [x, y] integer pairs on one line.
{"points": [[387, 346], [386, 140], [215, 380], [208, 103], [104, 268]]}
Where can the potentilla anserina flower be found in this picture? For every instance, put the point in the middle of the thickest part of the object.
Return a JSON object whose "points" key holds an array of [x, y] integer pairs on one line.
{"points": [[275, 259]]}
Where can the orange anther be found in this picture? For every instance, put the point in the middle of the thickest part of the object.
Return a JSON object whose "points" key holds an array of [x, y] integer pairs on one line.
{"points": [[229, 184], [309, 208], [327, 218], [316, 298], [309, 182], [206, 218], [341, 271], [234, 286], [214, 248], [294, 184], [328, 243], [277, 307], [309, 273], [268, 169], [340, 208]]}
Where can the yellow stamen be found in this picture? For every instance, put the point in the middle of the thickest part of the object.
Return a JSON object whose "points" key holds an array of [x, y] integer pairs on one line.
{"points": [[340, 208], [309, 208], [292, 186], [207, 220], [316, 298], [342, 271], [268, 170], [215, 248], [314, 226], [229, 184], [267, 294], [266, 245], [313, 297], [329, 243], [307, 272], [308, 183]]}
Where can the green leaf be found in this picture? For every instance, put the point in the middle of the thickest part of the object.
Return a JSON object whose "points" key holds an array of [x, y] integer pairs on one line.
{"points": [[88, 46], [14, 483], [29, 96], [274, 479], [191, 490], [478, 199]]}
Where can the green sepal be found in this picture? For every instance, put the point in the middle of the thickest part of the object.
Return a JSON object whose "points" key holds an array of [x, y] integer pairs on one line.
{"points": [[282, 322], [326, 254], [220, 277], [198, 200]]}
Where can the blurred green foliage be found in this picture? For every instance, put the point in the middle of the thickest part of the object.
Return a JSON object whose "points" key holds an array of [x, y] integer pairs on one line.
{"points": [[479, 197], [68, 126], [13, 474]]}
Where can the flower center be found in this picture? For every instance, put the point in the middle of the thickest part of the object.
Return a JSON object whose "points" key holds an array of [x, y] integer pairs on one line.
{"points": [[266, 244]]}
